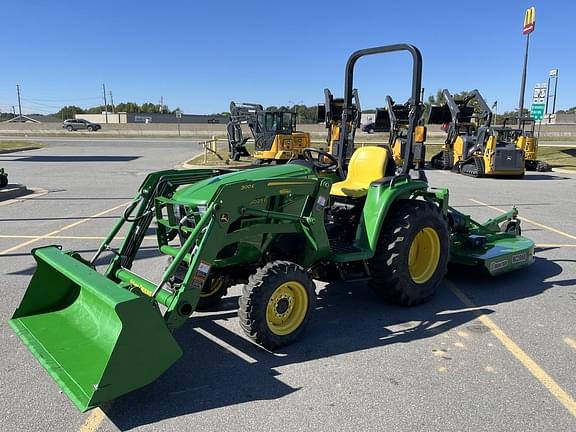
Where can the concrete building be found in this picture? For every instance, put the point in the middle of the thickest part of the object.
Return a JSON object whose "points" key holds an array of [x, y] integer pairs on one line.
{"points": [[560, 118], [145, 118]]}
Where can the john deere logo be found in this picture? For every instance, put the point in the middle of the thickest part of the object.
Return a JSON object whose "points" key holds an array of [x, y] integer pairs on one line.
{"points": [[224, 218]]}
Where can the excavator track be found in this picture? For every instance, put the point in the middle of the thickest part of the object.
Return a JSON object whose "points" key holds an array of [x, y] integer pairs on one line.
{"points": [[473, 167], [443, 160]]}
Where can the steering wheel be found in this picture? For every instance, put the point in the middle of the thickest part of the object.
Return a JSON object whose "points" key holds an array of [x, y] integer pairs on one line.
{"points": [[317, 161]]}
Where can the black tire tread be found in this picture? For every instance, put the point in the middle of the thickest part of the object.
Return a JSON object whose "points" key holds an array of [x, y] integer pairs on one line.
{"points": [[255, 295], [389, 266]]}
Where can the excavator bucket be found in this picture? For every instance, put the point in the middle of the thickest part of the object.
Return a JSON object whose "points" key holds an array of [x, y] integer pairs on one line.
{"points": [[96, 339]]}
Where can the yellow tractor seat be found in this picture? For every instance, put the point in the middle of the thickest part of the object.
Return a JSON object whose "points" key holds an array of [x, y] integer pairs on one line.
{"points": [[367, 165]]}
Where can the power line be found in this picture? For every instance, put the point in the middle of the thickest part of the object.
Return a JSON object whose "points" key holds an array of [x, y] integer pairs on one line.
{"points": [[65, 100], [30, 102]]}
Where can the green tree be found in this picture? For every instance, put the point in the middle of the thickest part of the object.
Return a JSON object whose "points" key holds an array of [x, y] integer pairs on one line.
{"points": [[129, 107], [96, 110], [69, 111]]}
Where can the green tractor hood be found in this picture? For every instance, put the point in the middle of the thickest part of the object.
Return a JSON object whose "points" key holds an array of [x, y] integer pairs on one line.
{"points": [[203, 191]]}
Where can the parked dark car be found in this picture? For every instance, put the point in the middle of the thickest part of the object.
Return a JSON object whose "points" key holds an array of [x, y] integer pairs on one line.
{"points": [[370, 128], [78, 124]]}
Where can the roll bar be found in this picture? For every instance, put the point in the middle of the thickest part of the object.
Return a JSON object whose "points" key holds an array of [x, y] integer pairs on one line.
{"points": [[341, 149]]}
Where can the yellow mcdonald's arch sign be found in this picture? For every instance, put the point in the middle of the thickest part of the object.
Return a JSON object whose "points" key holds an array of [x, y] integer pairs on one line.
{"points": [[529, 20]]}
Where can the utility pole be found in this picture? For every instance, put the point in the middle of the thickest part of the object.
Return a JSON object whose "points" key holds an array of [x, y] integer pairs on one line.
{"points": [[161, 104], [112, 102], [19, 104], [529, 24], [105, 103]]}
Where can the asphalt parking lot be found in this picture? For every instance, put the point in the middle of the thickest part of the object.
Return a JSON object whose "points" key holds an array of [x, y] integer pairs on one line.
{"points": [[486, 354]]}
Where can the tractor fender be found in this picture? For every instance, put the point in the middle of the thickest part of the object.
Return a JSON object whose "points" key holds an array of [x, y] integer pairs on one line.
{"points": [[381, 195]]}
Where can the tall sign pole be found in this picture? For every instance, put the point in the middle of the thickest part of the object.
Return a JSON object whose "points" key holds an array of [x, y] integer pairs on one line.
{"points": [[529, 24], [554, 74]]}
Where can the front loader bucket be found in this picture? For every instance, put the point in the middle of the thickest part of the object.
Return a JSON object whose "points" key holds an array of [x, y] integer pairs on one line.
{"points": [[96, 339]]}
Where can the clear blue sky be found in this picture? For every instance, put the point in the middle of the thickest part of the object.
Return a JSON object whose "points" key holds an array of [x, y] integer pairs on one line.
{"points": [[200, 55]]}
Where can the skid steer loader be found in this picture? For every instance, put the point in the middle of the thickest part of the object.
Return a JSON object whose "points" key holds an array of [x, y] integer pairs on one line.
{"points": [[274, 229], [524, 138], [395, 119], [463, 122], [473, 147], [276, 138], [330, 113]]}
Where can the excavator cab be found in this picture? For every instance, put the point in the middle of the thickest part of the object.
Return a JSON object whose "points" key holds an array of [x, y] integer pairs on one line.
{"points": [[276, 138]]}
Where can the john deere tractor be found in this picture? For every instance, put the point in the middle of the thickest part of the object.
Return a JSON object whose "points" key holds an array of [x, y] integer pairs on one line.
{"points": [[276, 138], [273, 229], [472, 146]]}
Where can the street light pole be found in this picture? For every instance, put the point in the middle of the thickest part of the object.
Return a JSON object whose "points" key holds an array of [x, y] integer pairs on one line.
{"points": [[529, 24], [523, 84], [555, 89]]}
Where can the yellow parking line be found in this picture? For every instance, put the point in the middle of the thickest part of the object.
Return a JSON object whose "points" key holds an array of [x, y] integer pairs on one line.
{"points": [[51, 237], [534, 368], [570, 342], [58, 231], [557, 231], [93, 421], [2, 236]]}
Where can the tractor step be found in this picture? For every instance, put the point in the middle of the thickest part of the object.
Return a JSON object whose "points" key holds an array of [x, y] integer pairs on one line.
{"points": [[342, 251]]}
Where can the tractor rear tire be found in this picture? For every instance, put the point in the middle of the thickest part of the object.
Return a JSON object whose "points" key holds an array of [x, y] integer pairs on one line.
{"points": [[276, 304], [412, 254]]}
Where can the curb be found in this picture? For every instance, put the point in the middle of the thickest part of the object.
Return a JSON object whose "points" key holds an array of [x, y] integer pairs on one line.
{"points": [[20, 149]]}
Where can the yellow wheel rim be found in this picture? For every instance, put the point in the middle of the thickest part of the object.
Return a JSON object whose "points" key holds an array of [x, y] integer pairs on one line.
{"points": [[287, 308], [424, 255], [212, 287]]}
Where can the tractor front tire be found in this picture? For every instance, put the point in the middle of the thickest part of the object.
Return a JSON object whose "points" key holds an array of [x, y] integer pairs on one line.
{"points": [[276, 304], [412, 254]]}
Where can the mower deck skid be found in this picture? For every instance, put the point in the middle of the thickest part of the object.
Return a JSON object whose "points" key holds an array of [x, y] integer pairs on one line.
{"points": [[96, 339], [498, 255]]}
